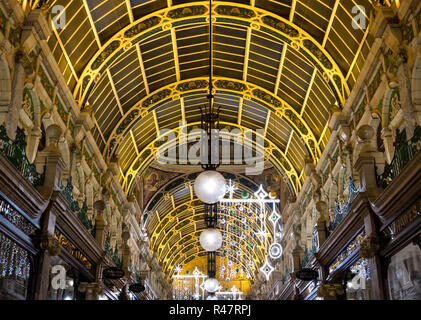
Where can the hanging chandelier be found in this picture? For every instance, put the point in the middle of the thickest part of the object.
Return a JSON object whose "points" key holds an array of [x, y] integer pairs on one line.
{"points": [[210, 185]]}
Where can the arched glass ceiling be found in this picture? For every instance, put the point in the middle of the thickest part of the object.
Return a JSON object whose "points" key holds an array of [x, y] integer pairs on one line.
{"points": [[280, 66], [174, 221]]}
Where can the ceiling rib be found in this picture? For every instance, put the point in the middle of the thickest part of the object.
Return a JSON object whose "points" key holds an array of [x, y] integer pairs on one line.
{"points": [[292, 12], [175, 53], [281, 66], [134, 142], [329, 26], [310, 85], [130, 11], [247, 53], [91, 21], [115, 92], [142, 68]]}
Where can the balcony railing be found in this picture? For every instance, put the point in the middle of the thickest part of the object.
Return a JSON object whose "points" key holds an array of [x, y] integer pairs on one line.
{"points": [[15, 152], [114, 255], [82, 213], [404, 152], [340, 213]]}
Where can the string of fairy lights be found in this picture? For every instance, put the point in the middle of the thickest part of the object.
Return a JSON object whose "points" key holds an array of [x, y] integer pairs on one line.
{"points": [[244, 222]]}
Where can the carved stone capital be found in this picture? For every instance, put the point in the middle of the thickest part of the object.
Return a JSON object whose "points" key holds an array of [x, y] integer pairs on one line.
{"points": [[23, 59], [369, 247], [50, 244]]}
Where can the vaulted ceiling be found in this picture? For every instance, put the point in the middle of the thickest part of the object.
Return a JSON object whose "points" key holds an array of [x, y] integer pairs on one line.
{"points": [[143, 66], [279, 66]]}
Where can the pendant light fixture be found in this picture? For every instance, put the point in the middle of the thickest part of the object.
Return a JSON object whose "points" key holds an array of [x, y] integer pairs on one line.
{"points": [[210, 185]]}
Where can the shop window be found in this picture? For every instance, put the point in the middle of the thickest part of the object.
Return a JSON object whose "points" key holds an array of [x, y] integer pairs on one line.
{"points": [[358, 281], [404, 274], [15, 268]]}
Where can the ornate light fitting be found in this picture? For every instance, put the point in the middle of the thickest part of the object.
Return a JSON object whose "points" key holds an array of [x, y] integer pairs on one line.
{"points": [[210, 186]]}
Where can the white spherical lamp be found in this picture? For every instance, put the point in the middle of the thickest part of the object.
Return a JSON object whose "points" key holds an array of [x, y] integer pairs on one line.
{"points": [[211, 239], [211, 285], [209, 186]]}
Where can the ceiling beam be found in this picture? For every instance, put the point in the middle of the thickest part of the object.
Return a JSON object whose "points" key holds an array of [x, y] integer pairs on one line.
{"points": [[267, 123], [130, 11], [323, 133], [91, 21], [292, 12], [240, 110], [173, 201], [247, 54], [110, 78], [281, 66], [155, 119], [66, 56], [289, 141], [134, 142], [142, 68], [183, 110], [99, 129], [357, 54], [310, 86], [175, 53], [329, 26]]}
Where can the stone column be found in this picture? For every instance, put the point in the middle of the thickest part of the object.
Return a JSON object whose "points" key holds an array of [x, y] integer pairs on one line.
{"points": [[387, 136], [321, 207], [369, 250], [5, 81], [125, 250], [405, 93], [54, 166], [22, 69], [33, 143], [365, 164], [51, 158], [297, 256], [100, 224], [49, 247]]}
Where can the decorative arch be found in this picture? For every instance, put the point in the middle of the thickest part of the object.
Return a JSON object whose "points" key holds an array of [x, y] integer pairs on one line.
{"points": [[147, 155], [223, 85]]}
